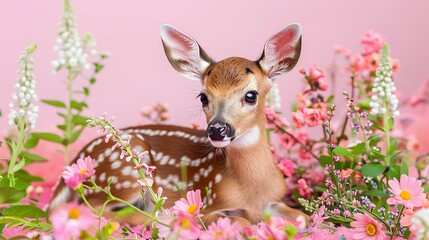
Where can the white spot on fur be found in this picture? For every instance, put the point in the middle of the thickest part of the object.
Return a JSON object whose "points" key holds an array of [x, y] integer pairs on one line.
{"points": [[116, 164], [102, 177], [114, 156], [126, 170], [218, 178]]}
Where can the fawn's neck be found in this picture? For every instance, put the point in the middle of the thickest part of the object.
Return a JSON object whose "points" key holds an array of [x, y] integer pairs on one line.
{"points": [[250, 161]]}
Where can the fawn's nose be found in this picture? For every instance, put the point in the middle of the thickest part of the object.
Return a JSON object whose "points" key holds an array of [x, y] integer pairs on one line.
{"points": [[218, 130]]}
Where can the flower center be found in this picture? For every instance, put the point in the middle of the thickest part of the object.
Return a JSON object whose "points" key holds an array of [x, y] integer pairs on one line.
{"points": [[74, 213], [83, 171], [270, 238], [218, 234], [192, 208], [370, 229], [185, 223], [405, 195]]}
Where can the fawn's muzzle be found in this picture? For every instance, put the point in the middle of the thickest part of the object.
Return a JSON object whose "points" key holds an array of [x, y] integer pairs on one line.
{"points": [[220, 133]]}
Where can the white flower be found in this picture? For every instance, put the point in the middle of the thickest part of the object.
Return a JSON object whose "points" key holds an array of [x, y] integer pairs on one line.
{"points": [[273, 98], [420, 222], [22, 108], [71, 48], [384, 99]]}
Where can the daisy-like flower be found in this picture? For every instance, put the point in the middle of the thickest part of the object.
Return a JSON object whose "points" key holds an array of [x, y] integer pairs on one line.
{"points": [[191, 205], [23, 109], [70, 220], [185, 227], [78, 172], [223, 229], [408, 191], [365, 227]]}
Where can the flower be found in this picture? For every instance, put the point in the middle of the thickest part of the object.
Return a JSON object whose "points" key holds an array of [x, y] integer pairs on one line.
{"points": [[71, 48], [408, 213], [189, 206], [303, 189], [222, 229], [287, 167], [319, 216], [317, 78], [408, 191], [365, 227], [274, 98], [23, 109], [298, 119], [313, 116], [384, 100], [372, 42], [420, 224], [78, 172], [186, 227], [70, 220]]}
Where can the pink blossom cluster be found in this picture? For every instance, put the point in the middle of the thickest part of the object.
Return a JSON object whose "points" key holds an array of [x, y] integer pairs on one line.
{"points": [[78, 172]]}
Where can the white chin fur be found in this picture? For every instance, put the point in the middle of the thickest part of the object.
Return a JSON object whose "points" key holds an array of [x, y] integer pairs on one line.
{"points": [[220, 144]]}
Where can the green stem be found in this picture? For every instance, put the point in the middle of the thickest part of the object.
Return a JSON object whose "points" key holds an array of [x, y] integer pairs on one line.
{"points": [[397, 223], [16, 151], [386, 131], [69, 115]]}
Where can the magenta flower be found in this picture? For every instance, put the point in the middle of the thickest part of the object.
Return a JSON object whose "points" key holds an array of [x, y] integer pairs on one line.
{"points": [[365, 227], [190, 206], [287, 167], [408, 191], [78, 172], [69, 221], [223, 229]]}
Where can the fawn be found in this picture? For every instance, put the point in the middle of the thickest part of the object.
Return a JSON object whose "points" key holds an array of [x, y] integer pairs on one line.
{"points": [[231, 158]]}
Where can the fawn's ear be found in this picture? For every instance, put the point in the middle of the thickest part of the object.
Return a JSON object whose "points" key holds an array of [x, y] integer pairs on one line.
{"points": [[281, 51], [184, 53]]}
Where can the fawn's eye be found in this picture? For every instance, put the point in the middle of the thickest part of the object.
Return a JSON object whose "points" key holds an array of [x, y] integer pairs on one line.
{"points": [[251, 97], [204, 100]]}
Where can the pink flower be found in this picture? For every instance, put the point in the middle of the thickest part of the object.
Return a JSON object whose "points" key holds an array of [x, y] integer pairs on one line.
{"points": [[319, 216], [315, 73], [70, 220], [166, 217], [287, 141], [303, 189], [223, 229], [408, 191], [298, 119], [287, 167], [313, 117], [190, 206], [409, 213], [365, 227], [372, 42], [78, 172], [186, 227], [317, 78], [304, 154]]}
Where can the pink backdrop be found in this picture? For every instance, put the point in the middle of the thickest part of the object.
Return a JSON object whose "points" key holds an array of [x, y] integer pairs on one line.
{"points": [[138, 73]]}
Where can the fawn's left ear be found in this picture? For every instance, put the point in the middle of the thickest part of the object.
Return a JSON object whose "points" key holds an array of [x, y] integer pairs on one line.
{"points": [[184, 53], [281, 51]]}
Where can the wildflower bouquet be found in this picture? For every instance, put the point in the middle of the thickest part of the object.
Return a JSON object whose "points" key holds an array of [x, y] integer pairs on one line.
{"points": [[358, 179]]}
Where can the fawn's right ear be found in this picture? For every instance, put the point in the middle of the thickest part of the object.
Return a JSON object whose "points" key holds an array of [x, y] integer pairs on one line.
{"points": [[184, 53]]}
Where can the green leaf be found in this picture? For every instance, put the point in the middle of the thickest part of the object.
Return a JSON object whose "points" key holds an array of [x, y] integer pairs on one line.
{"points": [[75, 135], [98, 67], [86, 91], [10, 195], [19, 165], [339, 151], [62, 127], [52, 137], [79, 120], [358, 149], [373, 169], [25, 176], [361, 188], [31, 142], [55, 103], [404, 168], [390, 124], [92, 80], [364, 104], [426, 187], [31, 157], [376, 193], [25, 211], [330, 99], [78, 105], [394, 172], [326, 160]]}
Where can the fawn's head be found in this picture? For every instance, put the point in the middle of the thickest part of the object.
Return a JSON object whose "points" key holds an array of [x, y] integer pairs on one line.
{"points": [[234, 90]]}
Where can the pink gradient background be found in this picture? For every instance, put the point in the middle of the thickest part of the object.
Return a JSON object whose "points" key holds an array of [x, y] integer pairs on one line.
{"points": [[138, 74]]}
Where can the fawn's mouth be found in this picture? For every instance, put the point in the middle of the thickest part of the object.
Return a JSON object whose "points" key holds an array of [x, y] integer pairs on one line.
{"points": [[222, 143]]}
